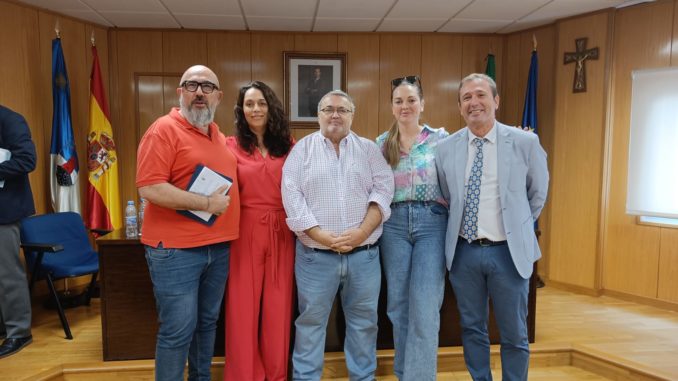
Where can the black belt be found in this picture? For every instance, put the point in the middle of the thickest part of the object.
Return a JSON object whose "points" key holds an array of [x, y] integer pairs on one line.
{"points": [[486, 242], [406, 203], [355, 249]]}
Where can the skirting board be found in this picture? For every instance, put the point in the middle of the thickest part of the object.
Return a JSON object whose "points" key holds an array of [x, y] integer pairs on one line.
{"points": [[449, 360]]}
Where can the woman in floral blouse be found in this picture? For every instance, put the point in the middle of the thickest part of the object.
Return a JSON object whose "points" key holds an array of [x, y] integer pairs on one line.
{"points": [[413, 242]]}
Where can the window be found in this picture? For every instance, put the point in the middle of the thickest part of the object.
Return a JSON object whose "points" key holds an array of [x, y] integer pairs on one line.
{"points": [[652, 189]]}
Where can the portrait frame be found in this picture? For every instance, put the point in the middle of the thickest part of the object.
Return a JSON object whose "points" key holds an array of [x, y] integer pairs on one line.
{"points": [[307, 77]]}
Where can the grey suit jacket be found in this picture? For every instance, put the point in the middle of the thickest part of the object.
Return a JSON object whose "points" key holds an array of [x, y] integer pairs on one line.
{"points": [[523, 183]]}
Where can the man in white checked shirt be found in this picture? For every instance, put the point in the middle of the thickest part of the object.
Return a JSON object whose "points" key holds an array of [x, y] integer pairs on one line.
{"points": [[336, 190]]}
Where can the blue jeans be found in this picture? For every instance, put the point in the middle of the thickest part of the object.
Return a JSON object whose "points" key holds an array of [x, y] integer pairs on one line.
{"points": [[413, 256], [319, 276], [479, 272], [189, 287]]}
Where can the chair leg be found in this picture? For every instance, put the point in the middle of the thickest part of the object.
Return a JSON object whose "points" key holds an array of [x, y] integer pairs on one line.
{"points": [[34, 272], [90, 289], [62, 316]]}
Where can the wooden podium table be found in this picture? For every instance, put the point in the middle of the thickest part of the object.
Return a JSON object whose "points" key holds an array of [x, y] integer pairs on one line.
{"points": [[129, 321]]}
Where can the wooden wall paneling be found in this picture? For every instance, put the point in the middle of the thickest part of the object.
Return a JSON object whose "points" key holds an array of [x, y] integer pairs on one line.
{"points": [[168, 93], [578, 157], [474, 58], [21, 86], [548, 61], [514, 73], [113, 87], [32, 47], [399, 55], [440, 73], [228, 54], [642, 36], [150, 102], [183, 49], [667, 286], [316, 42], [136, 52], [363, 80], [267, 60]]}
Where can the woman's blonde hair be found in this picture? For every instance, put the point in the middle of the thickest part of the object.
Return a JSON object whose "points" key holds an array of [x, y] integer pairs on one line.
{"points": [[392, 144]]}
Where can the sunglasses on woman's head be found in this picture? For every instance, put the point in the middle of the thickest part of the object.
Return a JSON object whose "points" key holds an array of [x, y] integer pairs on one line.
{"points": [[411, 79]]}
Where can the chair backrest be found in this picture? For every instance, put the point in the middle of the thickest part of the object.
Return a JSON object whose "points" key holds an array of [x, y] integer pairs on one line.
{"points": [[67, 229]]}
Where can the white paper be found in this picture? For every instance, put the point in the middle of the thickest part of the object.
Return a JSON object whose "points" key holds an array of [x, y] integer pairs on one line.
{"points": [[4, 156], [205, 184]]}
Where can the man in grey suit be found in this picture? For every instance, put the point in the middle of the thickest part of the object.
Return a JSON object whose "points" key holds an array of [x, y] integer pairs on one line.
{"points": [[495, 180]]}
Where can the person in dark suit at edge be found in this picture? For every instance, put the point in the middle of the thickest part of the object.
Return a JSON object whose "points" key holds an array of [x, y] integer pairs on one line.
{"points": [[17, 160]]}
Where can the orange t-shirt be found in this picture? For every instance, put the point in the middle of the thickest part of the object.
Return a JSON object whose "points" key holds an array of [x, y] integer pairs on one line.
{"points": [[169, 153]]}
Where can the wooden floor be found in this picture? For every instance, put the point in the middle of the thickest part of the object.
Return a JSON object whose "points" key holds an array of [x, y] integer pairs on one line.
{"points": [[638, 336]]}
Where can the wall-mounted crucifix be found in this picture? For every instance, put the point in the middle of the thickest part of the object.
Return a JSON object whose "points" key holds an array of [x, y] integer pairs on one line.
{"points": [[580, 56]]}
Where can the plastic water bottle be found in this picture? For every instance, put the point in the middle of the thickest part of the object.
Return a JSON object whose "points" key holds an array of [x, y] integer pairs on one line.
{"points": [[131, 220], [142, 209]]}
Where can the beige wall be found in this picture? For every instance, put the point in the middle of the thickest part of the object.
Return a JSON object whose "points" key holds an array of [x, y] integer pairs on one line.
{"points": [[594, 246], [589, 243], [638, 260], [577, 161]]}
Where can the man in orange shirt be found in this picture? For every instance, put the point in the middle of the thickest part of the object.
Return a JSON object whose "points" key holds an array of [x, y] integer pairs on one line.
{"points": [[187, 258]]}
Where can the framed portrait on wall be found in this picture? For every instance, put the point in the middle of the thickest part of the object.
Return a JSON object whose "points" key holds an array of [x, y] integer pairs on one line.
{"points": [[307, 77]]}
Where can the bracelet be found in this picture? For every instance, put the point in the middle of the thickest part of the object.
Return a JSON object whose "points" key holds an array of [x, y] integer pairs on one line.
{"points": [[208, 203]]}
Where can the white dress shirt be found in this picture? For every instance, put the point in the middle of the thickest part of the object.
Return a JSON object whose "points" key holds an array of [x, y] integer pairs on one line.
{"points": [[490, 224], [321, 189]]}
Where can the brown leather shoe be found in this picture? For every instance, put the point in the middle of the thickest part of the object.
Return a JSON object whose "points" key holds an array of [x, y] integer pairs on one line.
{"points": [[12, 346]]}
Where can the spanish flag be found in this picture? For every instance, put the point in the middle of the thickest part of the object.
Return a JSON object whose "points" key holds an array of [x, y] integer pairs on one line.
{"points": [[103, 194]]}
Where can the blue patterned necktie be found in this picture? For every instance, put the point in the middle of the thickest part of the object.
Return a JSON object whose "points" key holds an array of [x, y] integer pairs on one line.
{"points": [[470, 222]]}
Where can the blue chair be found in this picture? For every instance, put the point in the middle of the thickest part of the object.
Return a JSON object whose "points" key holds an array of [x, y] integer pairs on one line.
{"points": [[56, 246]]}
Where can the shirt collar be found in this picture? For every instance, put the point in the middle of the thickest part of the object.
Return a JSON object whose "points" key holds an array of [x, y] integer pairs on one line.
{"points": [[343, 140], [490, 136]]}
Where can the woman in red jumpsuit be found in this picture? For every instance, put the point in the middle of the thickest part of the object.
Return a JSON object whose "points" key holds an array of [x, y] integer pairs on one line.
{"points": [[259, 296]]}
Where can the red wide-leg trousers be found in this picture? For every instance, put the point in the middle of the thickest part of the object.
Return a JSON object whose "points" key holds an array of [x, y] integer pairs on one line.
{"points": [[259, 298]]}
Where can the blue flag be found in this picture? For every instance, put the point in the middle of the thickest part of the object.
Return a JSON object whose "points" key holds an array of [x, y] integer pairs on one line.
{"points": [[530, 108], [65, 191]]}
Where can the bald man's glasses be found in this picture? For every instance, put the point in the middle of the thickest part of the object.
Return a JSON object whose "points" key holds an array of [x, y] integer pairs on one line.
{"points": [[192, 86]]}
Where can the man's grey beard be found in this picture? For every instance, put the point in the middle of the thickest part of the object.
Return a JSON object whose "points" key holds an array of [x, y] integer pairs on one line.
{"points": [[197, 117]]}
